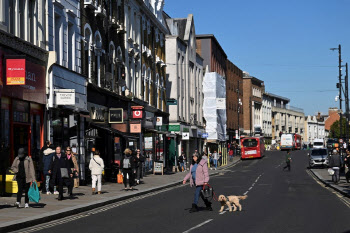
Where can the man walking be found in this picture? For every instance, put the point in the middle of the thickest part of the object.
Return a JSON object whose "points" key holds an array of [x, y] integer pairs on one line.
{"points": [[215, 159], [335, 163], [288, 160]]}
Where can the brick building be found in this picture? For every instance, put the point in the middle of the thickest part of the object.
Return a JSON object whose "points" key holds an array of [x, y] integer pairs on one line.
{"points": [[333, 116], [253, 90], [234, 99]]}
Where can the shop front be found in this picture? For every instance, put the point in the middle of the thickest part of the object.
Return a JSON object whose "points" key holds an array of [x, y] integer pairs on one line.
{"points": [[22, 104]]}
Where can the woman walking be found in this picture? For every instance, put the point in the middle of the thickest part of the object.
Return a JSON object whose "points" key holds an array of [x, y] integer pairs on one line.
{"points": [[96, 166], [74, 167], [128, 165], [138, 162], [199, 176], [23, 168]]}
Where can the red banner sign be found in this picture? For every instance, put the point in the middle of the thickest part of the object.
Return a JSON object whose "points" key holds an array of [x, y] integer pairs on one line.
{"points": [[15, 71], [137, 114]]}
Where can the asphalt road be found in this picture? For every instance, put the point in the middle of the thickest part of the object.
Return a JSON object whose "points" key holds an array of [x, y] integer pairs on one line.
{"points": [[278, 201]]}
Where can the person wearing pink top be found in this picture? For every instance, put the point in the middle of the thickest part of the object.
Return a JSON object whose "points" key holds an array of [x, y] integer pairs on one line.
{"points": [[199, 176]]}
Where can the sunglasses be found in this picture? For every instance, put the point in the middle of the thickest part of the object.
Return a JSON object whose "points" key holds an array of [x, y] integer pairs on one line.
{"points": [[68, 150]]}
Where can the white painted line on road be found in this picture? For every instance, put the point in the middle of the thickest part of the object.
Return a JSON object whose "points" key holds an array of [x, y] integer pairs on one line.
{"points": [[245, 193], [199, 225]]}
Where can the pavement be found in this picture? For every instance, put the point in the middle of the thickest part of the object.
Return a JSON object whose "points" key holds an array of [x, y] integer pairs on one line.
{"points": [[342, 187], [50, 208]]}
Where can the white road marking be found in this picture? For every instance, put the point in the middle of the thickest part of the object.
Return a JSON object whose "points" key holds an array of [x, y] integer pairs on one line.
{"points": [[199, 225]]}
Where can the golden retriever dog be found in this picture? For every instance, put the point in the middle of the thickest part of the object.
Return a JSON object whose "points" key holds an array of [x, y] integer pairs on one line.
{"points": [[234, 200]]}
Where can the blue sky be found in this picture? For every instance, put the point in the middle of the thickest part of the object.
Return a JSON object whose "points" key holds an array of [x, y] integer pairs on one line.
{"points": [[285, 43]]}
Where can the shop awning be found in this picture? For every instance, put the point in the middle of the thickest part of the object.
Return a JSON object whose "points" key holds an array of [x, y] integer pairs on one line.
{"points": [[113, 131]]}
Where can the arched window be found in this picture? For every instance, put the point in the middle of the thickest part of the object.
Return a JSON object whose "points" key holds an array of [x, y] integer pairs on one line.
{"points": [[157, 86], [149, 86], [87, 51], [98, 54], [111, 54]]}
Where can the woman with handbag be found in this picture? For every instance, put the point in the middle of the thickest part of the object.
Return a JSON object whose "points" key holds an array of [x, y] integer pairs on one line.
{"points": [[61, 172], [23, 168], [199, 176], [74, 167], [96, 166], [127, 164]]}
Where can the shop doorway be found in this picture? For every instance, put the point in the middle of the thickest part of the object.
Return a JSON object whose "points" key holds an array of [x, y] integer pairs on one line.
{"points": [[21, 138]]}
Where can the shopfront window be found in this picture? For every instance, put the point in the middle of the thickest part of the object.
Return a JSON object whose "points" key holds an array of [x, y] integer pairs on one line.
{"points": [[5, 121], [60, 129]]}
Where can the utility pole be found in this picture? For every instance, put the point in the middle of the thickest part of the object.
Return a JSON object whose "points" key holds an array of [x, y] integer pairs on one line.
{"points": [[340, 87]]}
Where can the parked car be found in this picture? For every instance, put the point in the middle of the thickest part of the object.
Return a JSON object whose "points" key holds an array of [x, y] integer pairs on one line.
{"points": [[318, 157]]}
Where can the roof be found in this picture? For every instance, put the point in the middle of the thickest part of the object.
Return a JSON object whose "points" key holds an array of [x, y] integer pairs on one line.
{"points": [[277, 96], [211, 36]]}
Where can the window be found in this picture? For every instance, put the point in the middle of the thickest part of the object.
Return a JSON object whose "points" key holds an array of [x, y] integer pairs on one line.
{"points": [[31, 9], [11, 13], [98, 54], [87, 51], [71, 46], [58, 25], [21, 17]]}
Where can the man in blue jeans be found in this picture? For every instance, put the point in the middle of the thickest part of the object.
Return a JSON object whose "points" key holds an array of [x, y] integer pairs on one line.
{"points": [[215, 159]]}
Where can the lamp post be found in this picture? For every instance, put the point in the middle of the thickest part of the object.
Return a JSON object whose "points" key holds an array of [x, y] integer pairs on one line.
{"points": [[340, 89]]}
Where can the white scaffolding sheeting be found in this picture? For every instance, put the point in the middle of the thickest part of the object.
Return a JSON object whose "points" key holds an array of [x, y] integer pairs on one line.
{"points": [[214, 89]]}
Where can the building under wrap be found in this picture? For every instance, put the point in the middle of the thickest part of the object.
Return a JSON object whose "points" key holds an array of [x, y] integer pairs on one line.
{"points": [[214, 107]]}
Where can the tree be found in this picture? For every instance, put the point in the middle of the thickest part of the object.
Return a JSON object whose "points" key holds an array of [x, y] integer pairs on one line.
{"points": [[335, 132]]}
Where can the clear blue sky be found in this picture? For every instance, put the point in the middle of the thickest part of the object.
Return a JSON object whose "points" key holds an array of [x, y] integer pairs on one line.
{"points": [[285, 43]]}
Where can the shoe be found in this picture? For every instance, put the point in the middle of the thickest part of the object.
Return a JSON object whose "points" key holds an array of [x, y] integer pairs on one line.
{"points": [[56, 193], [93, 191], [48, 193], [194, 208], [17, 204], [60, 198], [99, 192], [208, 205], [26, 205], [138, 181]]}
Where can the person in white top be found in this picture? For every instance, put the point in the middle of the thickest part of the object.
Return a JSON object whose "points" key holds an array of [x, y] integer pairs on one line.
{"points": [[215, 158], [96, 166]]}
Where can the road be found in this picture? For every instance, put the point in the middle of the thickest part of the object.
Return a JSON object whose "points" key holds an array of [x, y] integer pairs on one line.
{"points": [[278, 201]]}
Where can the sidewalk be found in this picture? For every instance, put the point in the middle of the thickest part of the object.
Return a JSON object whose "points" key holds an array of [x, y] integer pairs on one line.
{"points": [[342, 187], [50, 208]]}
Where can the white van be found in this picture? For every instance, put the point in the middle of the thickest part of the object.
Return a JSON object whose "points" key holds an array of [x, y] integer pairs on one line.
{"points": [[318, 143]]}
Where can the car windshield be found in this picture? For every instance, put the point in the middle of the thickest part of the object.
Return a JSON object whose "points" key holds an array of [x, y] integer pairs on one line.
{"points": [[319, 152], [250, 143], [318, 143]]}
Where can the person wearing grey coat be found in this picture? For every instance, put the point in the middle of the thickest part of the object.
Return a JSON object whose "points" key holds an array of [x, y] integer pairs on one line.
{"points": [[335, 163], [23, 168]]}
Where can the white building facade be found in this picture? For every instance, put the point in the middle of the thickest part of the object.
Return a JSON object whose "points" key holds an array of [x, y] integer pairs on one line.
{"points": [[266, 116], [184, 84], [315, 128]]}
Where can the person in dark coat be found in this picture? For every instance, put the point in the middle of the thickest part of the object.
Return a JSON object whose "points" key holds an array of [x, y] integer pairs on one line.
{"points": [[139, 159], [127, 165], [48, 154], [59, 166], [335, 163]]}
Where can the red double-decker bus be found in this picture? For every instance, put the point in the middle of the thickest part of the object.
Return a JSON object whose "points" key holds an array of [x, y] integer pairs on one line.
{"points": [[252, 147], [297, 142]]}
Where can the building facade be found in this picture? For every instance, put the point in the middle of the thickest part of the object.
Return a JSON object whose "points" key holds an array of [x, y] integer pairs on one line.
{"points": [[285, 118], [23, 47], [253, 90], [184, 84], [267, 116], [315, 128], [234, 100]]}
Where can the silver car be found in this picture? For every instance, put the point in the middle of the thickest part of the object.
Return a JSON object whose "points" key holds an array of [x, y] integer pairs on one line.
{"points": [[318, 157]]}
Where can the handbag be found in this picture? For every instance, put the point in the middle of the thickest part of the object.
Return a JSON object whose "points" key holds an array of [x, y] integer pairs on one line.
{"points": [[33, 193], [207, 192], [120, 178], [64, 173]]}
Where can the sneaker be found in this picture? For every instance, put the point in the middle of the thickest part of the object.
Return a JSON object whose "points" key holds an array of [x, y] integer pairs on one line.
{"points": [[48, 193], [17, 204], [56, 193], [26, 205]]}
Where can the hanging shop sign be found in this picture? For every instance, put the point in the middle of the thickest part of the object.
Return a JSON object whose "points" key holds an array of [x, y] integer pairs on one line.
{"points": [[98, 113], [185, 136], [137, 112], [115, 115], [135, 127], [149, 120], [65, 96], [159, 121], [15, 71]]}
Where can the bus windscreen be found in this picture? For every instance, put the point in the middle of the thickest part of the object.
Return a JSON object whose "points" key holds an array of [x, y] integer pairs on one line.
{"points": [[250, 143]]}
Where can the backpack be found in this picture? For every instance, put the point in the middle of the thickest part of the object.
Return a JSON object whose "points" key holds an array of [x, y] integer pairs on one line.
{"points": [[126, 162]]}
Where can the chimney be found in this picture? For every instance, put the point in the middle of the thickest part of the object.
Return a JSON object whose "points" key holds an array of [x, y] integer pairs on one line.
{"points": [[318, 116]]}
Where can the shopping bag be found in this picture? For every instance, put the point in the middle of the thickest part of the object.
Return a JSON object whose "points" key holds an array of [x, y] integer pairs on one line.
{"points": [[120, 178], [33, 193], [330, 171]]}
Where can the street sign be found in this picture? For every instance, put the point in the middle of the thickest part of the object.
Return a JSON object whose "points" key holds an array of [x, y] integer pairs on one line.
{"points": [[205, 135], [171, 102], [175, 128], [340, 140], [185, 136], [115, 115]]}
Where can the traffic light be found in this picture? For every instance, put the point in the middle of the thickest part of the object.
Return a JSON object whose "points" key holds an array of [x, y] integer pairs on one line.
{"points": [[338, 85]]}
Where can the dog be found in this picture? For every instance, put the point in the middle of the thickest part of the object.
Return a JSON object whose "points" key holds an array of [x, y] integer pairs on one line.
{"points": [[234, 200]]}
